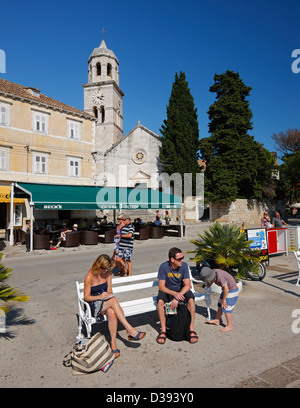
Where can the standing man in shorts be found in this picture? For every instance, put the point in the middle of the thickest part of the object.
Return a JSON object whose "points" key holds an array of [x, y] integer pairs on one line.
{"points": [[174, 284], [126, 246]]}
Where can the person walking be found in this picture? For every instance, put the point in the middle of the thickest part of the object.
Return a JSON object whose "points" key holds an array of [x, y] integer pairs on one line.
{"points": [[121, 223], [125, 250], [27, 231]]}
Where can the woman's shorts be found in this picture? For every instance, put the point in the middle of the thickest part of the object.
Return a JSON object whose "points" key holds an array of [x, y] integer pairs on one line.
{"points": [[231, 300], [168, 298], [125, 253]]}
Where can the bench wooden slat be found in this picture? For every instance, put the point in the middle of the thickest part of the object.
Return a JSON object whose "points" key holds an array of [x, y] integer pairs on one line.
{"points": [[137, 286], [137, 306], [134, 278]]}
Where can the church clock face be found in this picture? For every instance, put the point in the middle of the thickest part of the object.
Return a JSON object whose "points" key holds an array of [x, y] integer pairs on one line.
{"points": [[98, 97], [139, 156]]}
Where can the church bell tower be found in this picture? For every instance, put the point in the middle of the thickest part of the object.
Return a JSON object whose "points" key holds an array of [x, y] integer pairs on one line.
{"points": [[103, 97]]}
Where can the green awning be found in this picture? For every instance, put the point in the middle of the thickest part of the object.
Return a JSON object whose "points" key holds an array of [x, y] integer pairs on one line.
{"points": [[70, 197]]}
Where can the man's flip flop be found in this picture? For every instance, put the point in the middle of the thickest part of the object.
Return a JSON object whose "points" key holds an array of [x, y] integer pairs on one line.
{"points": [[137, 337], [162, 336], [193, 337]]}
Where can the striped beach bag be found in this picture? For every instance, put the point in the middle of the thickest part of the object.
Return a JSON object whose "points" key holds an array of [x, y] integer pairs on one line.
{"points": [[96, 355]]}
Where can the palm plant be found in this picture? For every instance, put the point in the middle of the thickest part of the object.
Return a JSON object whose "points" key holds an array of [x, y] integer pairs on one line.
{"points": [[227, 247], [7, 293]]}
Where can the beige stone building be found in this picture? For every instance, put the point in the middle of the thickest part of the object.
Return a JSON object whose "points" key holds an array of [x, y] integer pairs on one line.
{"points": [[45, 141], [42, 140]]}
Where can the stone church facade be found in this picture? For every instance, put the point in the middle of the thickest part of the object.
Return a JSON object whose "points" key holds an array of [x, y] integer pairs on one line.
{"points": [[128, 160]]}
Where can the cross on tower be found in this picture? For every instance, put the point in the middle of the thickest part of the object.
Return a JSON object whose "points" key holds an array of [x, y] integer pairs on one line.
{"points": [[103, 33]]}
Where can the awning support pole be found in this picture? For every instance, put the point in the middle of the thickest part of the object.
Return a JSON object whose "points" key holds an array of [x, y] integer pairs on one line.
{"points": [[181, 222], [11, 236], [31, 226]]}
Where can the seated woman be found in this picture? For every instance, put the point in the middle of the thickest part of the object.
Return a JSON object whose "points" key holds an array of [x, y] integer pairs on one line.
{"points": [[98, 292], [265, 221]]}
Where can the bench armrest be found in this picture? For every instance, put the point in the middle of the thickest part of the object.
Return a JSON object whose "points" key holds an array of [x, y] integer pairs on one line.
{"points": [[196, 280], [87, 313]]}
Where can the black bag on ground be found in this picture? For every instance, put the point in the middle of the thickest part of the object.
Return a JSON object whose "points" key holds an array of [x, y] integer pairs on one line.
{"points": [[178, 325]]}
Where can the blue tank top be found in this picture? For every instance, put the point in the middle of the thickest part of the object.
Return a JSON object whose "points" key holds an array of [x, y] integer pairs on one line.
{"points": [[98, 289]]}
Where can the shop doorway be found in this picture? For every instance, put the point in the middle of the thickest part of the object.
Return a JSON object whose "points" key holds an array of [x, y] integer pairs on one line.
{"points": [[3, 215]]}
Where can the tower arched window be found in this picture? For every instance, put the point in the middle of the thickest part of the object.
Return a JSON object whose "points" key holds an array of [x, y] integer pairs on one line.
{"points": [[98, 68], [102, 114], [109, 70], [95, 110]]}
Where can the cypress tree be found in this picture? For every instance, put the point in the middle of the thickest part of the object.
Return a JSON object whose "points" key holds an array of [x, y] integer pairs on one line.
{"points": [[180, 132], [236, 165]]}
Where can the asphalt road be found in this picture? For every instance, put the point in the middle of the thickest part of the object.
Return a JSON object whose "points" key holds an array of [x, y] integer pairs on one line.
{"points": [[261, 351]]}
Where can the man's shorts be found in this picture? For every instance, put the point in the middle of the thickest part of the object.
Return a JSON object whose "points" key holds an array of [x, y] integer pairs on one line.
{"points": [[168, 298], [125, 253], [231, 300]]}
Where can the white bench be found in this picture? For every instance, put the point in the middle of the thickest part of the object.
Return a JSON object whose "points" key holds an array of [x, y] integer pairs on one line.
{"points": [[134, 306]]}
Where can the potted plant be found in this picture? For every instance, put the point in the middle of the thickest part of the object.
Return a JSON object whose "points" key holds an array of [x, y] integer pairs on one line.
{"points": [[225, 247], [7, 293]]}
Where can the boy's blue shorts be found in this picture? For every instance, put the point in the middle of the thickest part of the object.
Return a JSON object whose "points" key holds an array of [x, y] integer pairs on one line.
{"points": [[231, 300]]}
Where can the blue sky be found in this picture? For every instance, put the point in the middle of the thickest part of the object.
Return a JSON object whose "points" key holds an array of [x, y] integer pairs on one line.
{"points": [[47, 45]]}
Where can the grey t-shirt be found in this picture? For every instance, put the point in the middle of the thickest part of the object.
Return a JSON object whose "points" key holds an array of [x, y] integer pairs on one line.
{"points": [[277, 222], [224, 278], [174, 277]]}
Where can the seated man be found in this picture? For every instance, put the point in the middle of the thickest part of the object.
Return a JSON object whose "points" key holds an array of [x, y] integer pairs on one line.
{"points": [[157, 221], [174, 285], [277, 221]]}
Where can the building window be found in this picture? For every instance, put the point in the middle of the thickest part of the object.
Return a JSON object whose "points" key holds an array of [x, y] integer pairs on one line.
{"points": [[74, 130], [3, 115], [98, 68], [40, 122], [102, 114], [73, 167], [3, 159], [109, 70], [95, 110], [40, 164]]}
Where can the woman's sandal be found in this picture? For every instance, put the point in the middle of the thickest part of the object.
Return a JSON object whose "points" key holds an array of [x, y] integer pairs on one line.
{"points": [[193, 337], [162, 336], [137, 337], [116, 353]]}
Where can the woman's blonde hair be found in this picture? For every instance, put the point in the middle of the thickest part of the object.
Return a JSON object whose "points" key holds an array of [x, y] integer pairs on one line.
{"points": [[103, 261]]}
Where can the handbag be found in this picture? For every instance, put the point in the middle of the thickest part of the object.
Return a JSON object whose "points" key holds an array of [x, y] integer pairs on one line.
{"points": [[96, 355]]}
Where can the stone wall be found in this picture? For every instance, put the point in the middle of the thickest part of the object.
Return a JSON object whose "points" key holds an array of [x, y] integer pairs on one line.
{"points": [[242, 210]]}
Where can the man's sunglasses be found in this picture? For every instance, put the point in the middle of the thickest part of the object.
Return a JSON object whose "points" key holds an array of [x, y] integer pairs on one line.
{"points": [[179, 259]]}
